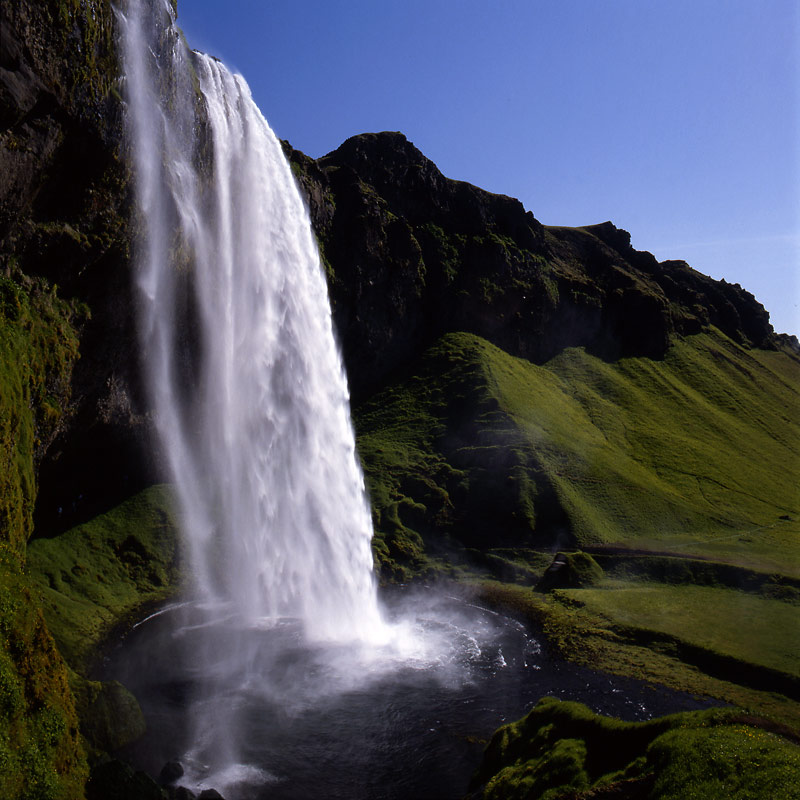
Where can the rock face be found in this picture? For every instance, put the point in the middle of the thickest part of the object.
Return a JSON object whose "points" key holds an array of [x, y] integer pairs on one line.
{"points": [[412, 255], [65, 346], [64, 222]]}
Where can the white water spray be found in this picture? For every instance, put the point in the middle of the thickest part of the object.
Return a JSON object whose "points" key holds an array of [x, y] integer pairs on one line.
{"points": [[246, 382]]}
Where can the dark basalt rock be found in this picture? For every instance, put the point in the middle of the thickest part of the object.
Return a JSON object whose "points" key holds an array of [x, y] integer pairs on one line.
{"points": [[210, 794], [171, 772], [180, 793], [65, 207], [116, 779]]}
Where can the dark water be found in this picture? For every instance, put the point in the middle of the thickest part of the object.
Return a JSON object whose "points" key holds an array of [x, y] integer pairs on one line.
{"points": [[260, 714]]}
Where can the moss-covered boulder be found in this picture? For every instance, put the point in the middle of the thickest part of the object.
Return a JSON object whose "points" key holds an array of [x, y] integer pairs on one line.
{"points": [[570, 571], [110, 715], [563, 750]]}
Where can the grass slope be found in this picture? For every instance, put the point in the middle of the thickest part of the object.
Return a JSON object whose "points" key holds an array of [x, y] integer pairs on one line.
{"points": [[697, 452], [678, 475], [742, 627], [97, 574]]}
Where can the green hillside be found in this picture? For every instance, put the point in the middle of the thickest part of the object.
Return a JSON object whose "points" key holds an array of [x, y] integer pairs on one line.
{"points": [[696, 453]]}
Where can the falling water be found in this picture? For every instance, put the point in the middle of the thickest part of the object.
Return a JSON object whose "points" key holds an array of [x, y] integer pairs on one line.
{"points": [[248, 388]]}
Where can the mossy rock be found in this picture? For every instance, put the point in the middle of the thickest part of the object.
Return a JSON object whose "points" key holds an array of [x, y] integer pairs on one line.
{"points": [[563, 750], [110, 715], [570, 571]]}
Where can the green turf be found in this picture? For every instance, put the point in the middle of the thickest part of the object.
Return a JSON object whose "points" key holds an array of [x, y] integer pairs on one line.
{"points": [[95, 575], [580, 633], [747, 627]]}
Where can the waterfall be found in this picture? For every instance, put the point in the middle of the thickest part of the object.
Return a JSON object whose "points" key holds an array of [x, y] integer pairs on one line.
{"points": [[245, 379]]}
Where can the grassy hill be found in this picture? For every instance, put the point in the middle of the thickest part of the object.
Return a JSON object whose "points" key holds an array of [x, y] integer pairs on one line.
{"points": [[695, 453]]}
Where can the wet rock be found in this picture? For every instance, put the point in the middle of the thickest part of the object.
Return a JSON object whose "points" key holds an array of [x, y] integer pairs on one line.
{"points": [[180, 793], [116, 779], [210, 794], [110, 715], [171, 771]]}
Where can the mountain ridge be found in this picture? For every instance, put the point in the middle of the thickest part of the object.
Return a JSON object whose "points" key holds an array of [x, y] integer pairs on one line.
{"points": [[529, 288]]}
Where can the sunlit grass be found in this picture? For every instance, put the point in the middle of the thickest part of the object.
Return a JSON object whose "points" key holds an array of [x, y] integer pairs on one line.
{"points": [[697, 453], [582, 634], [755, 629], [94, 575]]}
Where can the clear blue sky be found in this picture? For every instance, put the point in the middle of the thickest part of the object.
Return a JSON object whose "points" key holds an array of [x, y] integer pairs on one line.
{"points": [[679, 120]]}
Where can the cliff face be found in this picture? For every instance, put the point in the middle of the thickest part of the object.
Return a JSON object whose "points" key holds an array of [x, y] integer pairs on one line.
{"points": [[415, 255], [523, 386], [64, 334], [64, 230]]}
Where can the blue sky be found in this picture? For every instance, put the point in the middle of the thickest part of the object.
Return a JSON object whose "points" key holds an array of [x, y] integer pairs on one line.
{"points": [[679, 120]]}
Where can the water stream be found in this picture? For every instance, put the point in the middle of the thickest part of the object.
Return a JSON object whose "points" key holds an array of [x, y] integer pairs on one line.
{"points": [[245, 379]]}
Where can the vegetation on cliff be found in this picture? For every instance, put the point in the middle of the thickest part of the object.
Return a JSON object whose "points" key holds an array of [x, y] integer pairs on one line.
{"points": [[480, 450], [40, 752]]}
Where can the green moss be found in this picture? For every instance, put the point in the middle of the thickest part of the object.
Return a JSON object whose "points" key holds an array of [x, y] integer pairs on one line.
{"points": [[38, 347], [562, 750], [732, 761], [40, 752], [438, 247], [86, 28], [95, 575]]}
